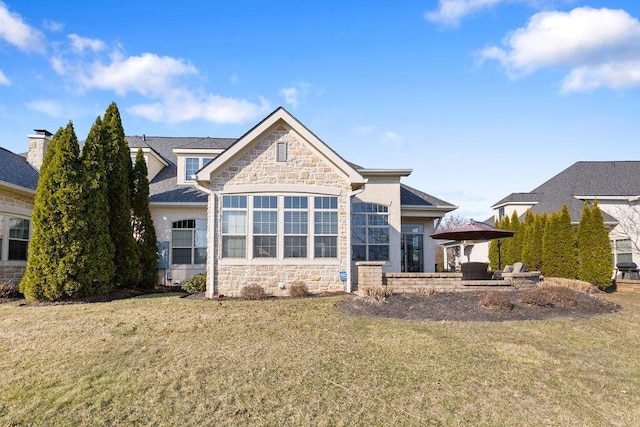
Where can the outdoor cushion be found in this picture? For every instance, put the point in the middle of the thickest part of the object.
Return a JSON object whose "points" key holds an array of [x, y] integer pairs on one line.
{"points": [[508, 269], [517, 267]]}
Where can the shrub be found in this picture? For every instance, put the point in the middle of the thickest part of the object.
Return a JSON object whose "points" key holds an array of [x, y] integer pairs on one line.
{"points": [[298, 290], [576, 285], [378, 293], [195, 284], [8, 289], [426, 291], [538, 297], [562, 296], [252, 292], [496, 300]]}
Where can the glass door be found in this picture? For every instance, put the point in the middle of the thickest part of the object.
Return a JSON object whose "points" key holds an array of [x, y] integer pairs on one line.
{"points": [[412, 248]]}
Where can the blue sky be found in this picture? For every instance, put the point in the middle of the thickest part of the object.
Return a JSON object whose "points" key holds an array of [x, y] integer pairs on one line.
{"points": [[481, 98]]}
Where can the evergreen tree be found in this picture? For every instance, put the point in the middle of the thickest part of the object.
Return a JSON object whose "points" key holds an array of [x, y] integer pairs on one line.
{"points": [[514, 253], [505, 244], [494, 262], [528, 230], [594, 249], [143, 229], [560, 255], [98, 268], [119, 185], [55, 251], [535, 260], [583, 240]]}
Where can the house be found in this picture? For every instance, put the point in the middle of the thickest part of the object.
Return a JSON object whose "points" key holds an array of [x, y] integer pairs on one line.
{"points": [[614, 184], [279, 206], [18, 181]]}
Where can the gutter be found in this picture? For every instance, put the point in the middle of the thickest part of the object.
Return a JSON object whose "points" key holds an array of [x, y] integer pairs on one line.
{"points": [[211, 230], [348, 255]]}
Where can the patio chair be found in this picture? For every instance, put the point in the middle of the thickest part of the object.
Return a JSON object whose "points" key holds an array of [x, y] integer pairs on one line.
{"points": [[475, 271]]}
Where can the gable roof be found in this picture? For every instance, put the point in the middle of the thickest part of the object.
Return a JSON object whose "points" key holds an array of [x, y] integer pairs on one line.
{"points": [[17, 172], [280, 114], [164, 187], [580, 181]]}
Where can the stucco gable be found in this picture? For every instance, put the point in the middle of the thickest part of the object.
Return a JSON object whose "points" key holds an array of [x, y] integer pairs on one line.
{"points": [[259, 144]]}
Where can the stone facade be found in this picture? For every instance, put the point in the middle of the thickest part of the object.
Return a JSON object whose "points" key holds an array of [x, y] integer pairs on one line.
{"points": [[305, 172], [13, 204]]}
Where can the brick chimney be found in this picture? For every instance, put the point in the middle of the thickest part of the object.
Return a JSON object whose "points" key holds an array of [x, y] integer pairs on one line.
{"points": [[38, 143]]}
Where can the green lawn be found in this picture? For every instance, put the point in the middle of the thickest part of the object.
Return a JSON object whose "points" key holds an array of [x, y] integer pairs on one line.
{"points": [[163, 360]]}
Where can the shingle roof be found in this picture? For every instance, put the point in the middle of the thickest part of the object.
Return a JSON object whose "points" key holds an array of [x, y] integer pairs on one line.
{"points": [[409, 196], [164, 187], [592, 179], [14, 169]]}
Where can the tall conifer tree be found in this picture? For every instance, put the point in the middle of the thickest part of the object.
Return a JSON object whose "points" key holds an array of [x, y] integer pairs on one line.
{"points": [[98, 270], [56, 249], [594, 248], [119, 186], [514, 253], [143, 229]]}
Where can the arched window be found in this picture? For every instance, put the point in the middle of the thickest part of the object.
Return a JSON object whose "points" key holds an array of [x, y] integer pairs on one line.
{"points": [[189, 242], [369, 232]]}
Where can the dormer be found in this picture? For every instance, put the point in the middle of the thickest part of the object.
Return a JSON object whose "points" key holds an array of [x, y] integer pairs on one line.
{"points": [[191, 160], [155, 162]]}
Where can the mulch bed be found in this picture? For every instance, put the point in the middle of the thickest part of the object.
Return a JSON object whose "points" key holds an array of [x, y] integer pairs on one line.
{"points": [[466, 307]]}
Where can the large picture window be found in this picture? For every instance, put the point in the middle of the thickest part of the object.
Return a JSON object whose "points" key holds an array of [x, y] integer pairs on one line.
{"points": [[281, 226], [189, 242], [369, 232], [621, 250]]}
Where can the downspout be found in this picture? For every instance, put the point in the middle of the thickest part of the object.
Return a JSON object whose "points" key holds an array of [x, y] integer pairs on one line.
{"points": [[350, 196], [212, 236]]}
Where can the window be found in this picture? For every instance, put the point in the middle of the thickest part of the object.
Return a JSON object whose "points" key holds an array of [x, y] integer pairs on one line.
{"points": [[189, 242], [281, 226], [18, 242], [369, 232], [325, 225], [621, 250], [500, 213], [296, 225], [193, 164], [234, 226], [281, 151], [265, 226]]}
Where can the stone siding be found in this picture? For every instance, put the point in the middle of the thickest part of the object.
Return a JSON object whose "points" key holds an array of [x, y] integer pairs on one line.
{"points": [[14, 204], [13, 199], [311, 175]]}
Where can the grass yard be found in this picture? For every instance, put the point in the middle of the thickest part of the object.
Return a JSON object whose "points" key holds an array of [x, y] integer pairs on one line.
{"points": [[164, 360]]}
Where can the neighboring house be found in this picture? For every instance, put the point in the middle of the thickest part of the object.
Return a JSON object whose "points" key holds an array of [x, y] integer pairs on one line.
{"points": [[18, 181], [614, 184], [279, 206]]}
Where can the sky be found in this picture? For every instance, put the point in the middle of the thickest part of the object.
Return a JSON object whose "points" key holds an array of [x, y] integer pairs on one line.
{"points": [[481, 98]]}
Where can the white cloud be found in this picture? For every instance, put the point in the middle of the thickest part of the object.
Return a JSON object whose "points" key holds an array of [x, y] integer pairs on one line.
{"points": [[290, 95], [4, 81], [293, 94], [53, 26], [15, 31], [450, 12], [393, 138], [80, 44], [48, 107], [599, 46], [364, 130], [147, 74], [182, 106]]}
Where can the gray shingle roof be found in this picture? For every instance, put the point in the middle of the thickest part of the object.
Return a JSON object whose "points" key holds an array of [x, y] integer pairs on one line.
{"points": [[164, 187], [595, 179], [409, 196], [14, 169]]}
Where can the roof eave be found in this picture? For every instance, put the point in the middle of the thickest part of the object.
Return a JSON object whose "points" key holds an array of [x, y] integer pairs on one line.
{"points": [[18, 188]]}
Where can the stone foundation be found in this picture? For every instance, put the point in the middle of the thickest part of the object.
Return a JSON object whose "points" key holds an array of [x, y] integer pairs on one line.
{"points": [[12, 273]]}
